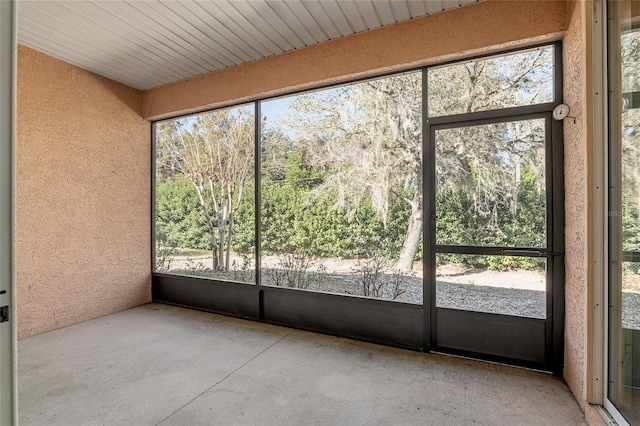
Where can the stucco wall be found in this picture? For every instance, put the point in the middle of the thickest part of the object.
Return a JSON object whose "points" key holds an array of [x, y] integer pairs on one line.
{"points": [[574, 63], [479, 28], [579, 194], [82, 195]]}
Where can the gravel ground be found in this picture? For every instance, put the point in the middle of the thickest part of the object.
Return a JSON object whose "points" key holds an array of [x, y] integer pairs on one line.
{"points": [[520, 293], [483, 298], [631, 310], [497, 300]]}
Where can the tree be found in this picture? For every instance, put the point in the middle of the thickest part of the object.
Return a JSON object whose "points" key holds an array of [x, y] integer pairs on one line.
{"points": [[367, 138], [630, 135], [495, 168], [215, 152], [347, 154]]}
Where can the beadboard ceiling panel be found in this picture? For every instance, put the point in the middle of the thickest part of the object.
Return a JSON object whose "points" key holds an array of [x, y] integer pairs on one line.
{"points": [[149, 43]]}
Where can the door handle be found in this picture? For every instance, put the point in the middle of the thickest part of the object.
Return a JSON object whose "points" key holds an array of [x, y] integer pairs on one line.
{"points": [[527, 253], [530, 253]]}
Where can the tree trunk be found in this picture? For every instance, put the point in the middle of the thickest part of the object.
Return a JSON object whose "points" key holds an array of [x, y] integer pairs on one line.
{"points": [[214, 252], [515, 191], [229, 236], [414, 232], [221, 229], [207, 217]]}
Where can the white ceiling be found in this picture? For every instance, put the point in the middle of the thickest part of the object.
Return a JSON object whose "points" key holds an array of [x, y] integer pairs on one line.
{"points": [[148, 43]]}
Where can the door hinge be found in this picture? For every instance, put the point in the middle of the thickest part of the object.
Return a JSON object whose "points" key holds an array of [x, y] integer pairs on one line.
{"points": [[4, 314]]}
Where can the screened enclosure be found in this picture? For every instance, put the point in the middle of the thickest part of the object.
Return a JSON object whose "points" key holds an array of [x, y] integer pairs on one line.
{"points": [[421, 209]]}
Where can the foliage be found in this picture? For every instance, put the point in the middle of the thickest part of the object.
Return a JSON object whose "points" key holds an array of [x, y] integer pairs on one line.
{"points": [[163, 255], [491, 83], [294, 221], [630, 223], [374, 279], [629, 128], [461, 224], [367, 139], [342, 174], [296, 270], [214, 151], [179, 219]]}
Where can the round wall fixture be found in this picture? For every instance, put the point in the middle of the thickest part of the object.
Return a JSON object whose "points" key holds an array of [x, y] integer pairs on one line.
{"points": [[561, 112]]}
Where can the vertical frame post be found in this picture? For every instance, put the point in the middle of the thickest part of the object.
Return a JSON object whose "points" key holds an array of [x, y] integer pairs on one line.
{"points": [[557, 222], [429, 220], [8, 412], [600, 130], [153, 197], [257, 208]]}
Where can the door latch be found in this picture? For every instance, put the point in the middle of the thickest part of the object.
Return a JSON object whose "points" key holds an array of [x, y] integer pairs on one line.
{"points": [[4, 314]]}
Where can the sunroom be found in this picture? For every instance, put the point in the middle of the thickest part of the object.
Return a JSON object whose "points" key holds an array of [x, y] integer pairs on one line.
{"points": [[451, 177]]}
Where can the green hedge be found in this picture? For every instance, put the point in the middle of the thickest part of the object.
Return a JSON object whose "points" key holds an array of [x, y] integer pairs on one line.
{"points": [[294, 220]]}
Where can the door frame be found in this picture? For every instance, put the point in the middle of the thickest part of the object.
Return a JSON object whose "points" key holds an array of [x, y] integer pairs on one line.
{"points": [[8, 412], [499, 337]]}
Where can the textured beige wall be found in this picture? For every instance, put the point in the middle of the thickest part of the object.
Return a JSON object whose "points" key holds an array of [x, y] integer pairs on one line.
{"points": [[482, 27], [579, 195], [82, 195]]}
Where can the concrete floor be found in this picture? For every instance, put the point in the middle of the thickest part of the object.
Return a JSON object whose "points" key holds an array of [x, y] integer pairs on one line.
{"points": [[161, 365]]}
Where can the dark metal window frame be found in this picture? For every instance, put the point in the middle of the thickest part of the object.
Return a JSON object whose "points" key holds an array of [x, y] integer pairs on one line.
{"points": [[400, 324]]}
